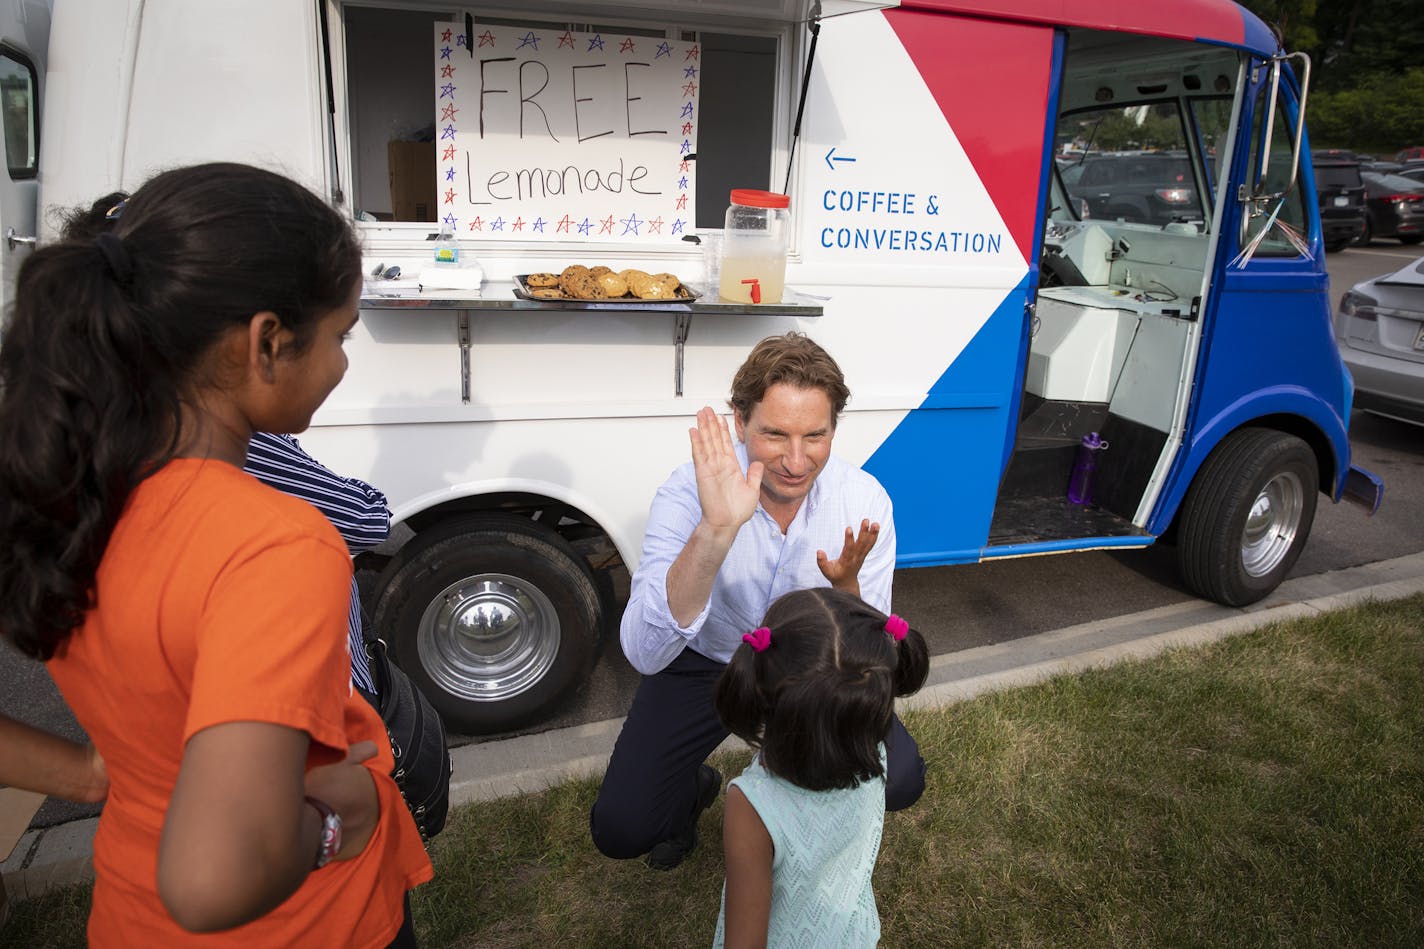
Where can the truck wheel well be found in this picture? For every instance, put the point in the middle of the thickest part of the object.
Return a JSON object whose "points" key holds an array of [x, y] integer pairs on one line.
{"points": [[1291, 425], [589, 539]]}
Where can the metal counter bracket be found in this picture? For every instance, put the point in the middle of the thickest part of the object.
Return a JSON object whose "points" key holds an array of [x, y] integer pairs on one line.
{"points": [[463, 331], [681, 323]]}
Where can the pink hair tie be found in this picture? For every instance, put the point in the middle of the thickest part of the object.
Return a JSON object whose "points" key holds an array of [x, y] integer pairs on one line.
{"points": [[896, 627], [758, 639]]}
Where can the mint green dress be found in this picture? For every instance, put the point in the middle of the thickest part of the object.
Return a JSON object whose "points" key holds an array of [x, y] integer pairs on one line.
{"points": [[824, 849]]}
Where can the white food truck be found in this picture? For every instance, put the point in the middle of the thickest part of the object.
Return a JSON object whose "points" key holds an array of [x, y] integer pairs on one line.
{"points": [[1014, 223]]}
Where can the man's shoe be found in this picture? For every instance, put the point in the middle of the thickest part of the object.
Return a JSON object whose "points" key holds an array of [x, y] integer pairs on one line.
{"points": [[671, 852]]}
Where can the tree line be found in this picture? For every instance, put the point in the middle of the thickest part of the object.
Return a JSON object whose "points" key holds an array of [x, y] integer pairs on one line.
{"points": [[1367, 80]]}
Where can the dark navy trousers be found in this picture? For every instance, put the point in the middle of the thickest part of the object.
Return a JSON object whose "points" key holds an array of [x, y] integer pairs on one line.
{"points": [[650, 789]]}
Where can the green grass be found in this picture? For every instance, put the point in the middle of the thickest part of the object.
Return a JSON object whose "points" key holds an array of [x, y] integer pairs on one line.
{"points": [[1264, 791]]}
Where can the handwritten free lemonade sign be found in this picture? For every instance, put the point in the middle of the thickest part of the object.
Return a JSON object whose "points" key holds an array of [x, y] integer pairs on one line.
{"points": [[563, 136]]}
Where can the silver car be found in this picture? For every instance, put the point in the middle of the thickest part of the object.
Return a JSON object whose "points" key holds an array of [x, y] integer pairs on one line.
{"points": [[1380, 329]]}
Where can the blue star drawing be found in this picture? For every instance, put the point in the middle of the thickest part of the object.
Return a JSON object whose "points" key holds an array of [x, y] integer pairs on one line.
{"points": [[663, 50], [444, 52], [686, 146], [447, 132], [451, 220], [631, 223], [460, 40], [585, 227], [450, 173], [690, 72], [686, 112], [529, 40], [497, 224], [681, 182], [539, 225], [447, 90], [595, 43], [677, 226]]}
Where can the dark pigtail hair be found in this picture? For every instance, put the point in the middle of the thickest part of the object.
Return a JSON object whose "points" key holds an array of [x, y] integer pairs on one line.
{"points": [[112, 330], [818, 701], [738, 698]]}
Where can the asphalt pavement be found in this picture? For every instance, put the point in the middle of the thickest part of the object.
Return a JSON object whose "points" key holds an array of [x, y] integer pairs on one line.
{"points": [[54, 856]]}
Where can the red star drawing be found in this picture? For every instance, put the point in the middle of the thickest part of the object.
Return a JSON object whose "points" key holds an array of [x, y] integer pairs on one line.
{"points": [[606, 225], [692, 53], [447, 71], [445, 37], [450, 196], [655, 226], [566, 40], [689, 89], [477, 225], [486, 38], [517, 225], [564, 224], [447, 113], [686, 130], [626, 46], [448, 154], [683, 166], [682, 201]]}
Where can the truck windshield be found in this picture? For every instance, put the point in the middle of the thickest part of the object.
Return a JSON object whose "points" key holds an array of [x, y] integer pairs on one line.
{"points": [[1128, 163]]}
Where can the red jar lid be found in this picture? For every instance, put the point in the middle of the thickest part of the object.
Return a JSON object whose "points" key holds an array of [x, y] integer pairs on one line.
{"points": [[751, 198]]}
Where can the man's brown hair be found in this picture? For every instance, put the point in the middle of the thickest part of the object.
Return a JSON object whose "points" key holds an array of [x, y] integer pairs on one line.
{"points": [[795, 360]]}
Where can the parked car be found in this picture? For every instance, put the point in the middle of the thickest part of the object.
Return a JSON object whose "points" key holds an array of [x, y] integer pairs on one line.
{"points": [[1145, 187], [1380, 330], [1413, 172], [1413, 153], [1394, 207], [1341, 191]]}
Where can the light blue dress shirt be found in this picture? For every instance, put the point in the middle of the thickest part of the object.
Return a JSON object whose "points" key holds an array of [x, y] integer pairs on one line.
{"points": [[762, 564]]}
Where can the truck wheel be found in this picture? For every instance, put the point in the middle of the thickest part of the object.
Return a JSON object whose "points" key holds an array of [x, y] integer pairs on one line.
{"points": [[1246, 516], [494, 617]]}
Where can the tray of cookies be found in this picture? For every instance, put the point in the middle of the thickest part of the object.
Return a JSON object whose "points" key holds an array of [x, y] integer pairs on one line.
{"points": [[577, 284]]}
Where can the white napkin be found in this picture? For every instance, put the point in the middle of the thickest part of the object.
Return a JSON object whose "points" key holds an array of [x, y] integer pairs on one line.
{"points": [[452, 278]]}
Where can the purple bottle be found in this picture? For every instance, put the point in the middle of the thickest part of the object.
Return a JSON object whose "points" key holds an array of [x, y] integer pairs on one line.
{"points": [[1080, 484]]}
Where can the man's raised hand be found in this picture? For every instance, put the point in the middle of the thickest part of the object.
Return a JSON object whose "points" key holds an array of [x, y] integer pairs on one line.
{"points": [[727, 496]]}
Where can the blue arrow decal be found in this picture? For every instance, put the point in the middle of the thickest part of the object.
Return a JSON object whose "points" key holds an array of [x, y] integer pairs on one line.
{"points": [[832, 156]]}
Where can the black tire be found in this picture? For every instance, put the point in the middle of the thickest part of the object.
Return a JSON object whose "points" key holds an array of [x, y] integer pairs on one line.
{"points": [[1410, 238], [1247, 515], [1336, 246], [446, 586], [1367, 234]]}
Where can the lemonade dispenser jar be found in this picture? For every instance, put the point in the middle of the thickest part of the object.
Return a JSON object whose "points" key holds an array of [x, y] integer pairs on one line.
{"points": [[754, 241]]}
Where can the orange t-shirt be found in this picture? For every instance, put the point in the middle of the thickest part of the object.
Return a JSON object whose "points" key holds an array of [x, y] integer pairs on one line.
{"points": [[221, 600]]}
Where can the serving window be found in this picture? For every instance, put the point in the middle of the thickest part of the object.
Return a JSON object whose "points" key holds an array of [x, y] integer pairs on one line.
{"points": [[545, 130]]}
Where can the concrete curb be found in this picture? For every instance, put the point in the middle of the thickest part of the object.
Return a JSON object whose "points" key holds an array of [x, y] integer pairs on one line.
{"points": [[62, 855]]}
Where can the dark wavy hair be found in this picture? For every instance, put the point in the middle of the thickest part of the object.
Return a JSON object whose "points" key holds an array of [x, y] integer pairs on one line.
{"points": [[795, 359], [110, 333], [818, 701]]}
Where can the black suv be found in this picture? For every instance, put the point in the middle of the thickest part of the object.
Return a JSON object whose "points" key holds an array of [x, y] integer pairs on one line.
{"points": [[1148, 187], [1341, 191]]}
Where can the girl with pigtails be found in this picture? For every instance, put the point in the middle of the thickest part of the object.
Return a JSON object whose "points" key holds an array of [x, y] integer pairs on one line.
{"points": [[813, 691], [194, 619]]}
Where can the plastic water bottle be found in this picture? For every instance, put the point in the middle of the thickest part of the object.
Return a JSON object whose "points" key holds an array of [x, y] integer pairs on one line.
{"points": [[1080, 484], [447, 249]]}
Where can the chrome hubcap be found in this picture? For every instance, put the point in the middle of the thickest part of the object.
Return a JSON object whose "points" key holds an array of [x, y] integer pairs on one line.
{"points": [[488, 637], [1272, 524]]}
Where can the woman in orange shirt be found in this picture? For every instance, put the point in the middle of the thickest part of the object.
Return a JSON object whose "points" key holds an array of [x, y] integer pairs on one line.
{"points": [[194, 619]]}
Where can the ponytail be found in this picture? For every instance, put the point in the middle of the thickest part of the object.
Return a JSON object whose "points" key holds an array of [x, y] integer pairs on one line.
{"points": [[111, 331], [738, 699], [912, 663]]}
